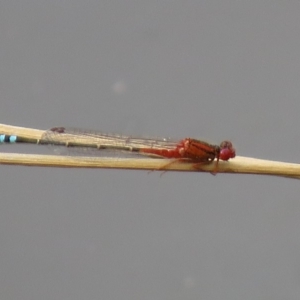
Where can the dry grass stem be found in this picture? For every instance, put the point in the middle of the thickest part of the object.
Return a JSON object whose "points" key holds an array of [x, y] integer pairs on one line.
{"points": [[238, 165]]}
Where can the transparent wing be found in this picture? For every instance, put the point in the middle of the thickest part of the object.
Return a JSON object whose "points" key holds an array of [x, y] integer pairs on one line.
{"points": [[90, 141]]}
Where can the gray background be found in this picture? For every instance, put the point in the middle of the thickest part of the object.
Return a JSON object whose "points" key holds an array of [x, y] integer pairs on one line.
{"points": [[207, 69]]}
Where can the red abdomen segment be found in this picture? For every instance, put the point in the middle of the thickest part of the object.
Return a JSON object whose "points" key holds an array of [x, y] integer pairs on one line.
{"points": [[188, 148]]}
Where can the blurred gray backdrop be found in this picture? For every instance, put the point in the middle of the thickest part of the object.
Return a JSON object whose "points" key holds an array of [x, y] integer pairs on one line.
{"points": [[207, 69]]}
